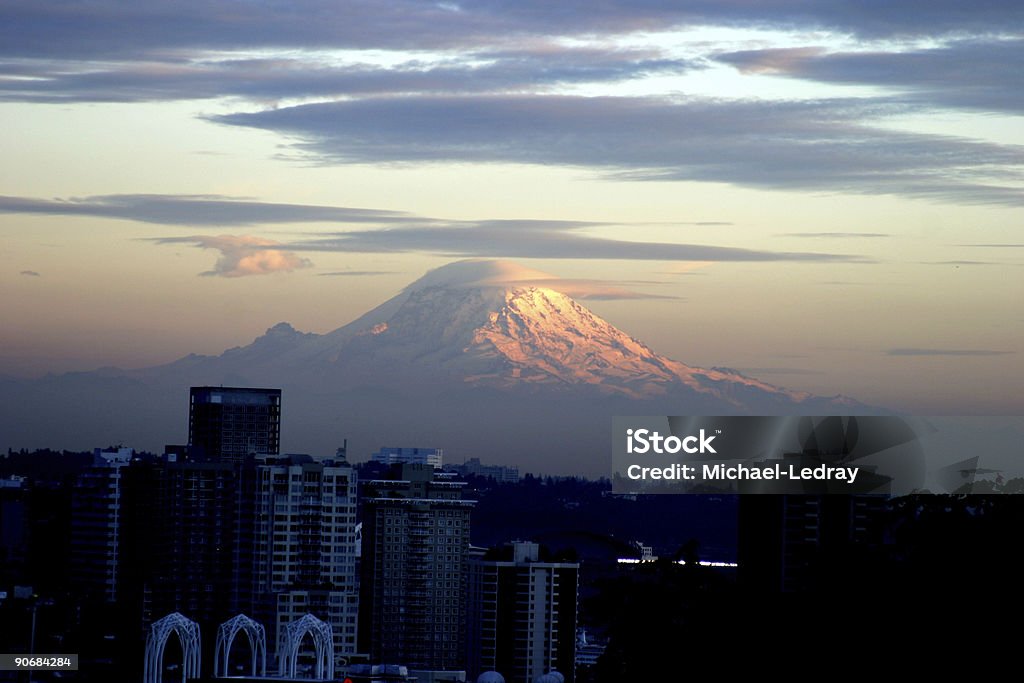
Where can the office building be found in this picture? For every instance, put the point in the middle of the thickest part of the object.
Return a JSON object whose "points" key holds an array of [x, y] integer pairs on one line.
{"points": [[521, 614], [226, 424], [414, 541]]}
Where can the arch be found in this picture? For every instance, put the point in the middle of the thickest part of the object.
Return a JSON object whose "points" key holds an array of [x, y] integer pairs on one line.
{"points": [[156, 641], [323, 644], [226, 636]]}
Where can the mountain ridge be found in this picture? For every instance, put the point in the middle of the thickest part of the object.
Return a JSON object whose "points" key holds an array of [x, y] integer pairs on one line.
{"points": [[474, 356]]}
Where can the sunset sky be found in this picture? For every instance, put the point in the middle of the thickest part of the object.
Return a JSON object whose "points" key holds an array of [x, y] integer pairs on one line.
{"points": [[824, 195]]}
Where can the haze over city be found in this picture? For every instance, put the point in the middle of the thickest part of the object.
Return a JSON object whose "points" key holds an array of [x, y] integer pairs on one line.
{"points": [[825, 199]]}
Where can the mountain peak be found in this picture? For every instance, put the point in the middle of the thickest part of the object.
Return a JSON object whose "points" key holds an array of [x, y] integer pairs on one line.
{"points": [[282, 335], [496, 324], [484, 356], [280, 329]]}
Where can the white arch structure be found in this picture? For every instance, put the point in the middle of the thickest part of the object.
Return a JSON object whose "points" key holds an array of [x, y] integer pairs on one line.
{"points": [[226, 636], [323, 644], [156, 641]]}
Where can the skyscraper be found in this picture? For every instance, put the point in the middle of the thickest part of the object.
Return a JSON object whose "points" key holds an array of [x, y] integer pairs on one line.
{"points": [[96, 523], [521, 614], [228, 423], [305, 545], [415, 538], [14, 525], [203, 539]]}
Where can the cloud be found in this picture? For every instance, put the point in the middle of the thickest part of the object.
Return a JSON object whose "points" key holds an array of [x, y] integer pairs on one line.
{"points": [[412, 81], [592, 290], [835, 235], [687, 268], [242, 255], [357, 273], [105, 29], [536, 239], [261, 79], [478, 272], [821, 146], [194, 210], [963, 262], [845, 283], [393, 231], [975, 73], [946, 352], [30, 273], [994, 246]]}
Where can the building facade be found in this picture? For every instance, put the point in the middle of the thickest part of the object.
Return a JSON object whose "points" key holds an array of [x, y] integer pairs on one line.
{"points": [[228, 423], [305, 552], [203, 544], [96, 523], [522, 615], [409, 456], [14, 529], [415, 537]]}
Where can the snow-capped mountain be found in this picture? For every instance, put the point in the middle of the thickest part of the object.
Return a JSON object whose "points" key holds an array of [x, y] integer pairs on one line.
{"points": [[477, 355]]}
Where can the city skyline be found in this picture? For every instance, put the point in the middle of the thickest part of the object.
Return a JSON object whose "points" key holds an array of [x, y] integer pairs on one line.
{"points": [[825, 199]]}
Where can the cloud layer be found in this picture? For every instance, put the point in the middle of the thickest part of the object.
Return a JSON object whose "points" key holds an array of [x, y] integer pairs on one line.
{"points": [[391, 232], [260, 79], [537, 239], [110, 28], [194, 210], [981, 74], [809, 145], [493, 81], [242, 255], [945, 352]]}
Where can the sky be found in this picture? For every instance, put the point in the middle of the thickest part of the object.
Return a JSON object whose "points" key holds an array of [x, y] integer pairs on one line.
{"points": [[824, 195]]}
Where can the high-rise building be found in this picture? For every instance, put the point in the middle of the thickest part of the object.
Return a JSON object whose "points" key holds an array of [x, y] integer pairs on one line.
{"points": [[228, 423], [786, 542], [14, 525], [96, 523], [521, 614], [203, 540], [415, 537], [409, 456], [305, 557]]}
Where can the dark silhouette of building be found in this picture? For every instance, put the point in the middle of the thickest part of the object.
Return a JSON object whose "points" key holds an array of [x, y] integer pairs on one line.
{"points": [[203, 540], [14, 524], [794, 542], [229, 423], [96, 524], [522, 615], [414, 543]]}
